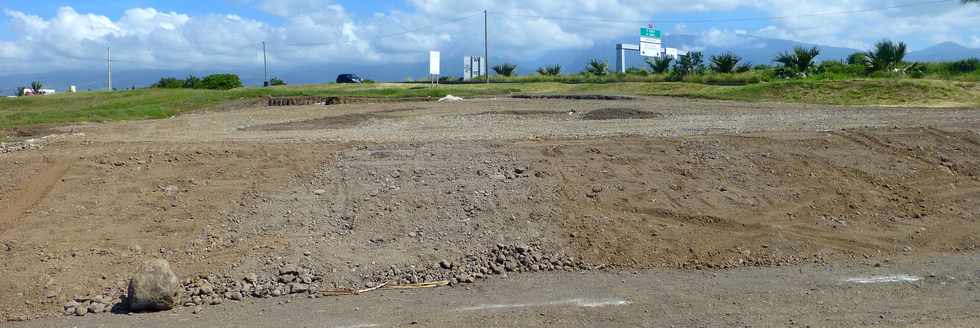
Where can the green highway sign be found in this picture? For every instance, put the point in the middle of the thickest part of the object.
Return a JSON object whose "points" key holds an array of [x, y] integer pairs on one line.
{"points": [[649, 32]]}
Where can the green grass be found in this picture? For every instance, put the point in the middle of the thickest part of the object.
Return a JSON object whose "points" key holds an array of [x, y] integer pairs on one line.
{"points": [[893, 92], [161, 103]]}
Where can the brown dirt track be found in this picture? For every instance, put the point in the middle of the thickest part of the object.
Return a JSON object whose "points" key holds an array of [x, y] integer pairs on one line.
{"points": [[676, 183]]}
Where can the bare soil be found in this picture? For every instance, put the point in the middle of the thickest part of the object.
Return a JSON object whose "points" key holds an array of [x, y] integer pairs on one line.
{"points": [[353, 190], [619, 114]]}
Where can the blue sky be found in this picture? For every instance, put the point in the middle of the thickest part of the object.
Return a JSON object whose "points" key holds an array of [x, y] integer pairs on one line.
{"points": [[196, 35]]}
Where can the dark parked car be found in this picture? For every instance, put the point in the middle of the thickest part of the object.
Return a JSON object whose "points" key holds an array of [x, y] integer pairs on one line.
{"points": [[349, 78]]}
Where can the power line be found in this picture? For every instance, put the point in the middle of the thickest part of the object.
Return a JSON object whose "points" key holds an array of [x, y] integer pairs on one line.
{"points": [[721, 20]]}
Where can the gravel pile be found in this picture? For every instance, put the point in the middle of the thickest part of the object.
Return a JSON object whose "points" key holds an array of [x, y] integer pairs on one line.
{"points": [[499, 261], [10, 147], [291, 279], [82, 305]]}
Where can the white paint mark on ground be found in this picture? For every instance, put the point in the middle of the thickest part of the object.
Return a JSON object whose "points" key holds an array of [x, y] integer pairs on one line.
{"points": [[363, 325], [581, 302], [884, 279]]}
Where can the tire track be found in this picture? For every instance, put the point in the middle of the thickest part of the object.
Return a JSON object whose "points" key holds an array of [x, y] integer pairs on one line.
{"points": [[35, 190]]}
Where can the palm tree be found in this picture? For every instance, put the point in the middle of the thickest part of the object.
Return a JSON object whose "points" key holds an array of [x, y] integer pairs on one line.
{"points": [[659, 65], [505, 69], [597, 67], [36, 87], [550, 70], [886, 55], [800, 60], [725, 63]]}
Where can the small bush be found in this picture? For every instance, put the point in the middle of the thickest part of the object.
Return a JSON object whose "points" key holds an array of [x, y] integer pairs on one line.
{"points": [[597, 67], [659, 65], [221, 82], [550, 70], [505, 69], [725, 63], [836, 69], [636, 71], [169, 83], [192, 82]]}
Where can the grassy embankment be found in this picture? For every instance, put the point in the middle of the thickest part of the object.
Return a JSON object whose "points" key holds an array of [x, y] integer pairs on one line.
{"points": [[161, 103]]}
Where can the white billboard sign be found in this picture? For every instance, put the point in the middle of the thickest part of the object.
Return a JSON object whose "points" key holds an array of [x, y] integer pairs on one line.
{"points": [[434, 64], [644, 39], [650, 49], [650, 42]]}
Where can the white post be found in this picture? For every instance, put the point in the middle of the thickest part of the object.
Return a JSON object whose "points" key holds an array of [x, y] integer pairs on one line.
{"points": [[620, 59], [108, 61]]}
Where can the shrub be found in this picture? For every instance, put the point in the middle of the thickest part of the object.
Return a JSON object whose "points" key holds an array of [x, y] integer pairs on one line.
{"points": [[276, 81], [636, 71], [169, 83], [725, 63], [798, 62], [36, 87], [886, 55], [552, 70], [505, 69], [837, 69], [220, 82], [192, 82], [597, 67], [691, 63], [963, 66], [857, 58], [659, 65]]}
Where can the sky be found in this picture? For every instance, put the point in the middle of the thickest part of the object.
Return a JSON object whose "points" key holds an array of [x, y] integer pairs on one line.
{"points": [[52, 35]]}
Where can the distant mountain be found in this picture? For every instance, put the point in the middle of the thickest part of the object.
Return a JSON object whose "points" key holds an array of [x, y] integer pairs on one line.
{"points": [[946, 51]]}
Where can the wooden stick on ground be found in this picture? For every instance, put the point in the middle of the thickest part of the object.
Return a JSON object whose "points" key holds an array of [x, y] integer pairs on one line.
{"points": [[351, 291]]}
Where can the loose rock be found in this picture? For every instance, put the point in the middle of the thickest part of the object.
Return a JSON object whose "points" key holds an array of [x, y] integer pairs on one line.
{"points": [[153, 288]]}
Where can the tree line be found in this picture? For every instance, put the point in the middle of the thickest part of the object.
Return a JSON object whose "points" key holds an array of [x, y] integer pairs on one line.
{"points": [[212, 82], [885, 58]]}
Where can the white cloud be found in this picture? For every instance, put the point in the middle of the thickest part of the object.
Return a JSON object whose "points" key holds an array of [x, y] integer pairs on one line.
{"points": [[867, 21], [323, 31]]}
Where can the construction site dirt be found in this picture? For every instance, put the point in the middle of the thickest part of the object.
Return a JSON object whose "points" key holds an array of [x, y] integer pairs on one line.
{"points": [[363, 194]]}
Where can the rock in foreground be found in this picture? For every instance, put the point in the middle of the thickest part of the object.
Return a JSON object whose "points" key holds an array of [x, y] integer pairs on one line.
{"points": [[153, 288]]}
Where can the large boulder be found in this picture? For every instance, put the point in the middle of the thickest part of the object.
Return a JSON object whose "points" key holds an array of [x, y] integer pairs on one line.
{"points": [[153, 288]]}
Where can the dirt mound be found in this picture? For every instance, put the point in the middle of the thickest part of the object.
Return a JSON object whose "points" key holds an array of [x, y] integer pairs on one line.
{"points": [[574, 97], [329, 122], [619, 113], [527, 112]]}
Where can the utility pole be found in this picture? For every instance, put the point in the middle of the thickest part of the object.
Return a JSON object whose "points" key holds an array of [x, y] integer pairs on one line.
{"points": [[486, 45], [108, 62], [265, 64]]}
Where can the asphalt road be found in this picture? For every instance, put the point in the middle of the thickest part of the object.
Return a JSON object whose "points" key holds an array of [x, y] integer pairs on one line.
{"points": [[922, 292]]}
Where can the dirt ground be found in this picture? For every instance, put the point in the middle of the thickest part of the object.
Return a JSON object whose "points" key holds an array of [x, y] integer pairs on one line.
{"points": [[351, 191], [810, 295]]}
